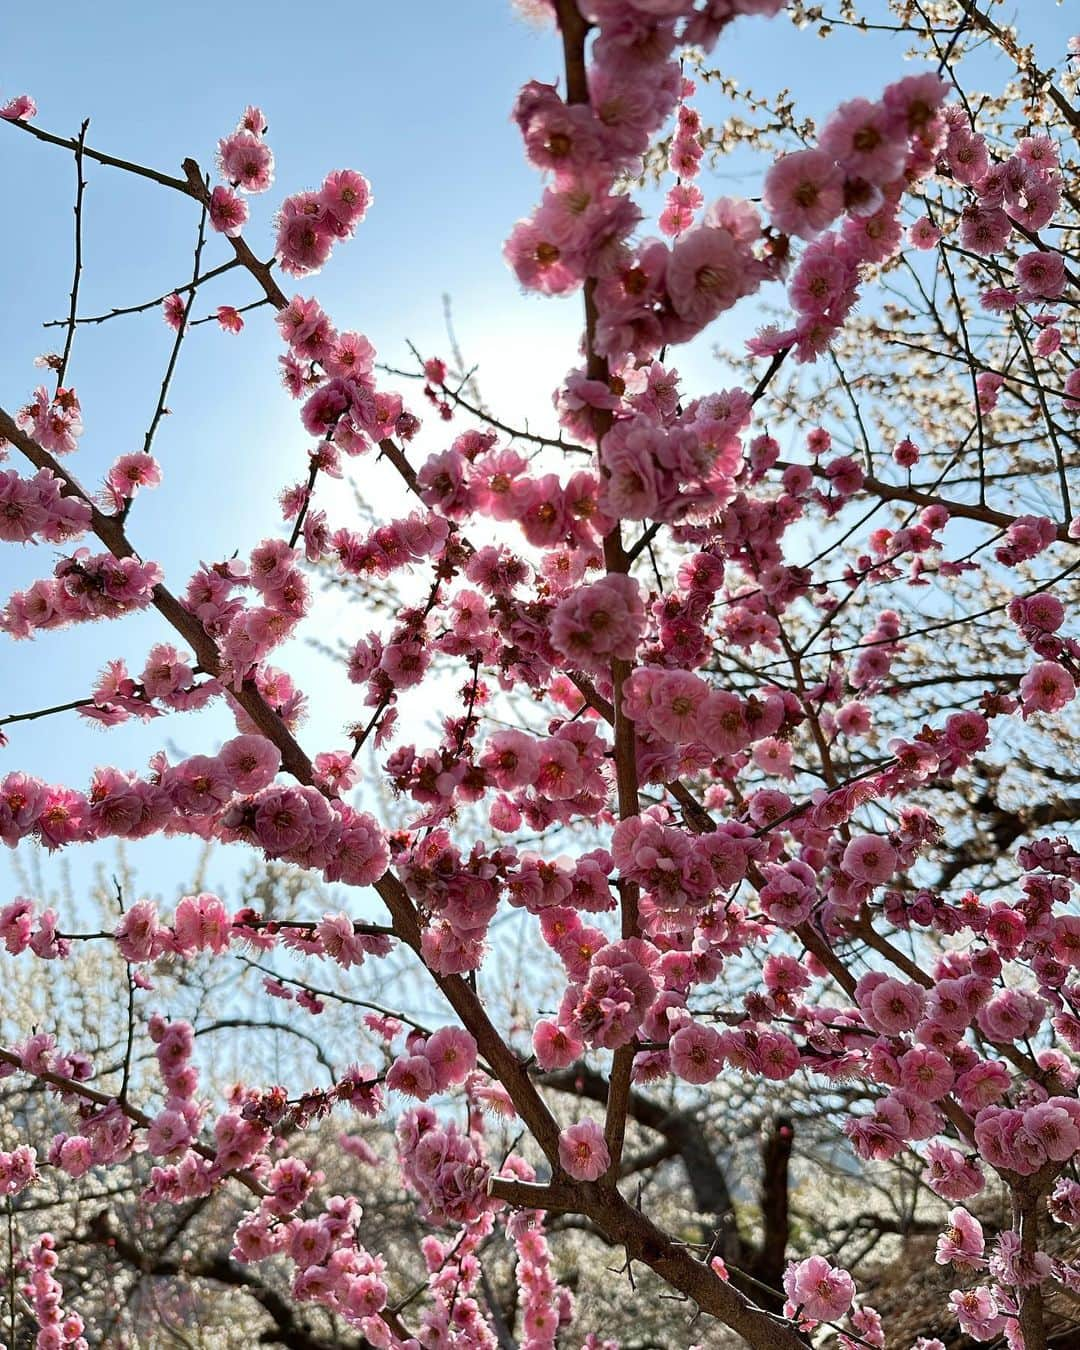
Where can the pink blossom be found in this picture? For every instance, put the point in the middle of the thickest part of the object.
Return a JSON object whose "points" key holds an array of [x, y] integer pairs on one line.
{"points": [[707, 274], [778, 1055], [539, 261], [201, 923], [676, 702], [951, 1175], [412, 1076], [696, 1053], [926, 1073], [554, 1046], [21, 108], [512, 758], [16, 926], [251, 762], [889, 1005], [818, 1290], [305, 239], [174, 311], [198, 785], [246, 161], [804, 193], [1048, 341], [583, 1153], [18, 1169], [452, 1052], [1054, 1124], [1046, 687], [924, 234], [977, 1312], [724, 727], [1041, 274], [870, 858], [131, 472], [361, 855], [598, 622], [76, 1155], [169, 1133], [982, 1085], [139, 935], [961, 1243], [860, 137], [228, 211], [346, 197]]}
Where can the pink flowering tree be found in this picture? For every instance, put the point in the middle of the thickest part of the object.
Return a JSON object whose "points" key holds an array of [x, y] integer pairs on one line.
{"points": [[722, 712]]}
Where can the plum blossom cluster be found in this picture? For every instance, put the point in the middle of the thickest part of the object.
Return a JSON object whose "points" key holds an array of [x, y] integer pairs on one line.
{"points": [[868, 155], [36, 508], [244, 159], [662, 460], [201, 923], [54, 420], [309, 224], [175, 1127], [247, 633], [647, 295], [18, 1169], [398, 543], [1026, 1141], [678, 871], [44, 1292], [684, 161], [547, 1307], [331, 1267], [229, 796], [166, 682], [460, 895], [445, 1167], [333, 372], [433, 1064], [1011, 201], [476, 475], [84, 587], [105, 1132]]}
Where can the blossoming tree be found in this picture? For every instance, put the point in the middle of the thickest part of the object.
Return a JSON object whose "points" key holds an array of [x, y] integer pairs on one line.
{"points": [[680, 659]]}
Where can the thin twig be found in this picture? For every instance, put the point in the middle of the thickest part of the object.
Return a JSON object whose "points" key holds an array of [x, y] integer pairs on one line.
{"points": [[130, 1009], [159, 411], [141, 170], [80, 187], [150, 304], [45, 712]]}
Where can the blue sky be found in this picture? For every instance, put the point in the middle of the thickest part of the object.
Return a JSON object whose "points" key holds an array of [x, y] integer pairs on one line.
{"points": [[415, 96]]}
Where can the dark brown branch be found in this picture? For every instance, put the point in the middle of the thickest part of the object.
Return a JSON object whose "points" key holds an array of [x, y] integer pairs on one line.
{"points": [[683, 1134], [141, 170], [900, 492]]}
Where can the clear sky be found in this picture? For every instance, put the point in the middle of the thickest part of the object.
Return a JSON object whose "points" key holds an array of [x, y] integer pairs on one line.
{"points": [[417, 97]]}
